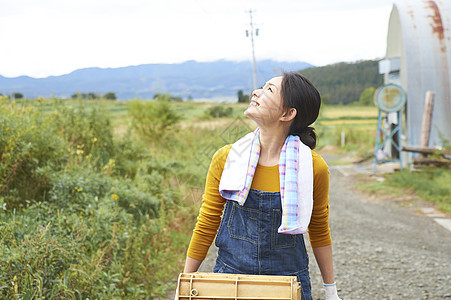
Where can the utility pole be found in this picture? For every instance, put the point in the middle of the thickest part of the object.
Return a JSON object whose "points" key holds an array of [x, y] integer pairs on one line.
{"points": [[254, 65]]}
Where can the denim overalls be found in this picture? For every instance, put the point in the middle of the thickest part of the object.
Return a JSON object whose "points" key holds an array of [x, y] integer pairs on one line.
{"points": [[248, 241]]}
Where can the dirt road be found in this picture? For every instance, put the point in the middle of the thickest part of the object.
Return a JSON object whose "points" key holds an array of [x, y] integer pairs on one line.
{"points": [[383, 249]]}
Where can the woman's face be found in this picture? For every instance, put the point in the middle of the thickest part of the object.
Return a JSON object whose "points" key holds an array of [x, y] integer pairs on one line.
{"points": [[266, 103]]}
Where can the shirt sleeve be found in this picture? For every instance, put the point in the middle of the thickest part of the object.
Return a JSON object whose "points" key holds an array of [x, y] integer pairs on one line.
{"points": [[211, 210], [319, 231]]}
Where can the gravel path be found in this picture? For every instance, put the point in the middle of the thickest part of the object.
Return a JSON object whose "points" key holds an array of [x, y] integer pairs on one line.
{"points": [[382, 249]]}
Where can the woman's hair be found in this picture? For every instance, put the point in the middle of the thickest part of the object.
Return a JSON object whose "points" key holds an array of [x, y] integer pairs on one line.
{"points": [[299, 93]]}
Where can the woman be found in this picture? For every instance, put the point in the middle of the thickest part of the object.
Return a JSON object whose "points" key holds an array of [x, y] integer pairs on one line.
{"points": [[273, 187]]}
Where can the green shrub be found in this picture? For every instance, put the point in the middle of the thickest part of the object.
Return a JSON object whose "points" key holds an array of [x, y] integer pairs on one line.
{"points": [[76, 192], [34, 267], [110, 218], [129, 155], [219, 111], [76, 189], [154, 253], [88, 131], [102, 254], [136, 202], [30, 151], [152, 120]]}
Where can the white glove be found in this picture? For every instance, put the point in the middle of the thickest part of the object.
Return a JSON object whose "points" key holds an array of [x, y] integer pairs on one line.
{"points": [[331, 291]]}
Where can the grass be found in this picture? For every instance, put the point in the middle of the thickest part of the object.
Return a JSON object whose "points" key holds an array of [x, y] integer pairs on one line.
{"points": [[432, 184], [380, 188], [194, 111], [348, 122], [339, 111]]}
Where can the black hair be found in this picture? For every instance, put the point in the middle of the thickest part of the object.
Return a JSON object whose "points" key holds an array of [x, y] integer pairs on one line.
{"points": [[299, 93]]}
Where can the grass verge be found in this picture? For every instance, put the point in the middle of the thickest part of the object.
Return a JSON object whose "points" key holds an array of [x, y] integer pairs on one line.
{"points": [[430, 184]]}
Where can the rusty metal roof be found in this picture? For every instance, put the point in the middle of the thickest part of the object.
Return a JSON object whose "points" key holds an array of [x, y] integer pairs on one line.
{"points": [[420, 34]]}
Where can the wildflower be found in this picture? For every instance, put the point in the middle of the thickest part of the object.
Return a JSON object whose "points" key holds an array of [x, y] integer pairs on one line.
{"points": [[80, 152], [111, 162], [78, 189], [114, 197], [94, 140]]}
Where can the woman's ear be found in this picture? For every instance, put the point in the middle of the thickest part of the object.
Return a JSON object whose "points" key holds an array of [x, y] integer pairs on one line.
{"points": [[289, 115]]}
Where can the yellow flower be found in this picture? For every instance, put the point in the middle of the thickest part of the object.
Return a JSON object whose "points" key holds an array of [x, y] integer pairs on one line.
{"points": [[78, 189], [114, 197], [16, 287], [79, 152], [94, 140]]}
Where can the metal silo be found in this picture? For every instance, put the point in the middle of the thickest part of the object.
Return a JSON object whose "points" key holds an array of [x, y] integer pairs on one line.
{"points": [[418, 58]]}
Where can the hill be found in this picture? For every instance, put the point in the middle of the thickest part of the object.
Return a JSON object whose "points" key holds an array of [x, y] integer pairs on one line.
{"points": [[219, 79], [344, 82]]}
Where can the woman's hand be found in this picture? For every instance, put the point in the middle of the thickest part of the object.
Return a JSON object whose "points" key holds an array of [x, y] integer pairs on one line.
{"points": [[331, 291]]}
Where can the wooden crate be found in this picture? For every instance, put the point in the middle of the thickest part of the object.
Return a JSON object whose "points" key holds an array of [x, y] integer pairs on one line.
{"points": [[218, 286]]}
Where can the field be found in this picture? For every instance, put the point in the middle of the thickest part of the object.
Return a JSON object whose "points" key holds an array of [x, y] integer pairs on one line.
{"points": [[98, 199]]}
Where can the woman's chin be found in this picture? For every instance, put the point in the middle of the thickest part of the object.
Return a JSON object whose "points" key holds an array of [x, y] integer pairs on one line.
{"points": [[252, 115], [248, 113]]}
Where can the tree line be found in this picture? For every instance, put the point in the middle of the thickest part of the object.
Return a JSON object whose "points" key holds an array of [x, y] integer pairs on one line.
{"points": [[341, 83], [345, 83], [94, 96], [85, 96]]}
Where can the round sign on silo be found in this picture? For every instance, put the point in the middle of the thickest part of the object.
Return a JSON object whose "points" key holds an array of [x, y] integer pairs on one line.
{"points": [[390, 98]]}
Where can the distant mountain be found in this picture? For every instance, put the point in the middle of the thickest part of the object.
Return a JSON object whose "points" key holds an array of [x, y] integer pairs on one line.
{"points": [[219, 79]]}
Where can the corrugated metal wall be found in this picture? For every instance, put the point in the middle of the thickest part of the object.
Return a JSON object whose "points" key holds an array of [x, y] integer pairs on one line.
{"points": [[420, 34]]}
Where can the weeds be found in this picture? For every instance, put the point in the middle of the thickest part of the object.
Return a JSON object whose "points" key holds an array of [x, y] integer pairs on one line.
{"points": [[85, 215], [430, 183]]}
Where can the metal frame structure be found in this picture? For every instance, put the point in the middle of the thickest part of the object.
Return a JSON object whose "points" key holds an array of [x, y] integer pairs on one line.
{"points": [[387, 136]]}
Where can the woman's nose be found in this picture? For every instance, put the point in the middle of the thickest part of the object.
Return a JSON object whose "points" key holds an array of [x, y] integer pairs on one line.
{"points": [[256, 93]]}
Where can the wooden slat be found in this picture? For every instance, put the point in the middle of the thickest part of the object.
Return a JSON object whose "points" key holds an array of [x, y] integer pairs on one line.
{"points": [[424, 150]]}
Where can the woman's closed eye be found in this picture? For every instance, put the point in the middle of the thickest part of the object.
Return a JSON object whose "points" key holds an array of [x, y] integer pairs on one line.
{"points": [[269, 88]]}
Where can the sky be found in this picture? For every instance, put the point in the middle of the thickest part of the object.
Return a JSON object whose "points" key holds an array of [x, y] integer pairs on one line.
{"points": [[41, 38]]}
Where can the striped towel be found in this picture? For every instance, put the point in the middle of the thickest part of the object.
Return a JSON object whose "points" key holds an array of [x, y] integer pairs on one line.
{"points": [[295, 173]]}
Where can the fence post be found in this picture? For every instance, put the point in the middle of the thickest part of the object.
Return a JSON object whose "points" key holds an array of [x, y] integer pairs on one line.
{"points": [[427, 120]]}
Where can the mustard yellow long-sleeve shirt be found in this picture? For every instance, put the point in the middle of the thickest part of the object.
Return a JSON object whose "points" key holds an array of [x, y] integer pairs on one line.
{"points": [[265, 179]]}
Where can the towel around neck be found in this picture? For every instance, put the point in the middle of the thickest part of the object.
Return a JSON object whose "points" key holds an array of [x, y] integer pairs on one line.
{"points": [[295, 173]]}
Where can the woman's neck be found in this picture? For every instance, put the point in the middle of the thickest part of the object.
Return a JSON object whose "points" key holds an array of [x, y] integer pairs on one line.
{"points": [[271, 141]]}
